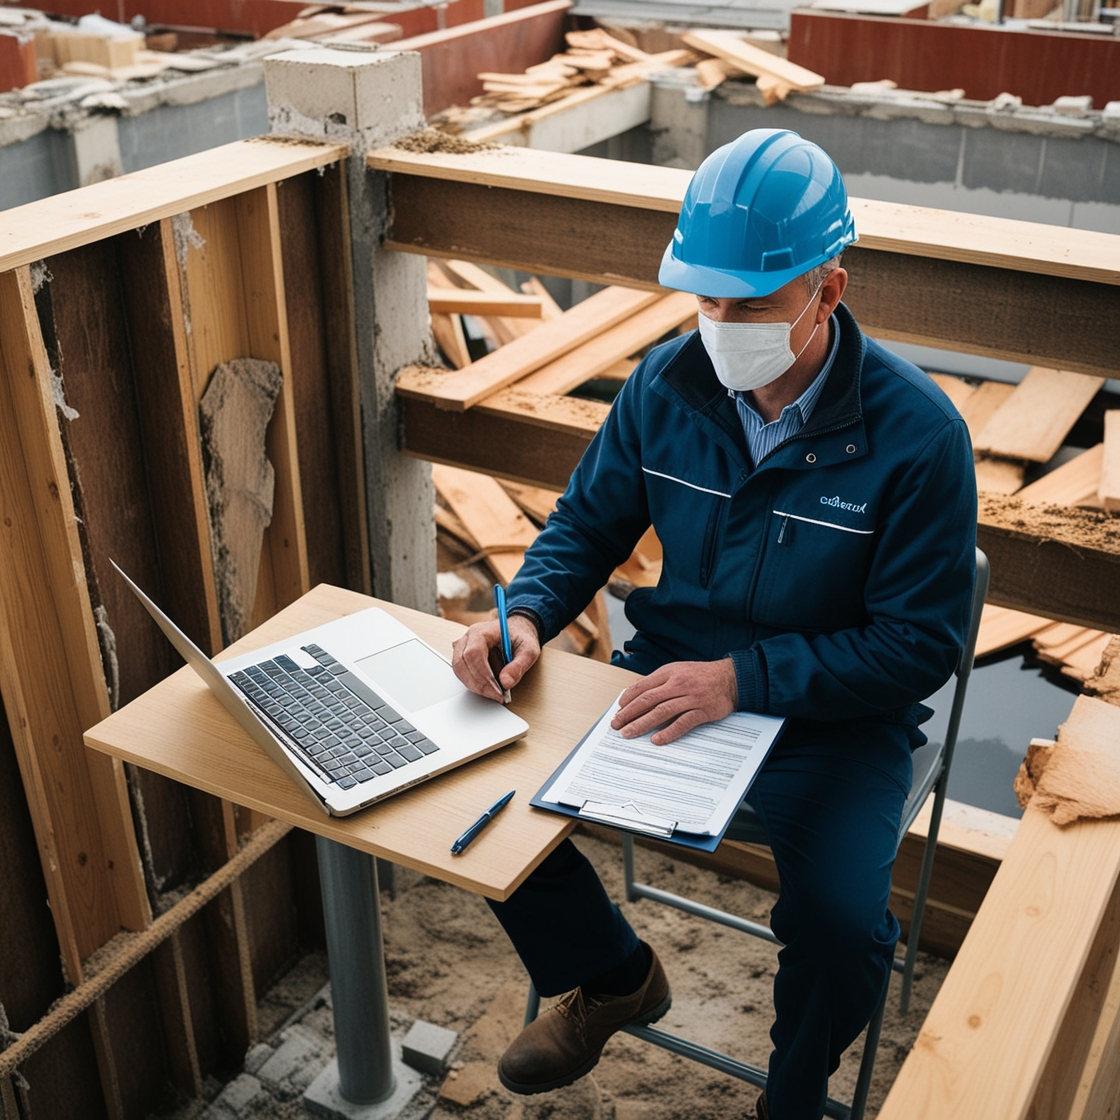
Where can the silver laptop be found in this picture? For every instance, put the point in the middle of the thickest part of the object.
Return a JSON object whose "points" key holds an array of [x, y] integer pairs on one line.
{"points": [[355, 710]]}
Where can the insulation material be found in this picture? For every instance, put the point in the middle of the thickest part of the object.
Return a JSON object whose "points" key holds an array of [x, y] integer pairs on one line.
{"points": [[1078, 777], [240, 481]]}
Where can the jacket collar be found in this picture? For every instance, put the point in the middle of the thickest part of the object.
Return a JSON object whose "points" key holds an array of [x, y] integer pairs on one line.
{"points": [[691, 376]]}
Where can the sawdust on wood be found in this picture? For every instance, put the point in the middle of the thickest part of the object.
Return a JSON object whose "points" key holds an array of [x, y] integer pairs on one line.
{"points": [[432, 140], [1077, 527]]}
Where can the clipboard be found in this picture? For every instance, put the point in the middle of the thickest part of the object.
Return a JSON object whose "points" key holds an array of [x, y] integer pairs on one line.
{"points": [[629, 817]]}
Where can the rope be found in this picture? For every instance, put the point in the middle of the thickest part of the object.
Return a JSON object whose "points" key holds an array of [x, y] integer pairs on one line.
{"points": [[135, 947]]}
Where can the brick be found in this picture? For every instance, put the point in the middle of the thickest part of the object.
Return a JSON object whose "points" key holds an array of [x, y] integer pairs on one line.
{"points": [[257, 1057], [296, 1060], [17, 61]]}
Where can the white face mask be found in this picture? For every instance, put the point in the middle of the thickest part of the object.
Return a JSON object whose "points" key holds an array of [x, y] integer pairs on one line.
{"points": [[750, 355]]}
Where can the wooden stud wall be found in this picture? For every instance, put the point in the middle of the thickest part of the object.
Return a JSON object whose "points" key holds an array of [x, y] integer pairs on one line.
{"points": [[108, 336]]}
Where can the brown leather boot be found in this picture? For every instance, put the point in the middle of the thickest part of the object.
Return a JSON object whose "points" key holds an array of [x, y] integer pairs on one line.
{"points": [[566, 1041]]}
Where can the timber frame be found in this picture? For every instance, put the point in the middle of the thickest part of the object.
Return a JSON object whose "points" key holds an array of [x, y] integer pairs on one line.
{"points": [[117, 301], [1027, 1025]]}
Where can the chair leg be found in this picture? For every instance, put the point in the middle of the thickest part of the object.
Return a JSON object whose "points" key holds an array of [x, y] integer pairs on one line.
{"points": [[867, 1062], [921, 894], [628, 866], [532, 1004]]}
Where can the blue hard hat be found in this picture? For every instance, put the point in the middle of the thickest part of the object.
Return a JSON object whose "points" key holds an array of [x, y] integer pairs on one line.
{"points": [[760, 211]]}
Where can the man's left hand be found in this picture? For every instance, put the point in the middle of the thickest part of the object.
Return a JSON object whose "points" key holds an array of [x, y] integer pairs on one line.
{"points": [[676, 698]]}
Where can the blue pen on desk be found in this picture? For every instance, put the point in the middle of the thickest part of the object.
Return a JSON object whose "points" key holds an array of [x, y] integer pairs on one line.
{"points": [[481, 823], [503, 622]]}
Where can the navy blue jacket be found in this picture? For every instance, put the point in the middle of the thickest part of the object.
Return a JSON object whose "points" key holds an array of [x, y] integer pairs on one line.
{"points": [[837, 573]]}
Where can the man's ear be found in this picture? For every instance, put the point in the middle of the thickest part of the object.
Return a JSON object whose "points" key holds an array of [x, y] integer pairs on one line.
{"points": [[832, 291]]}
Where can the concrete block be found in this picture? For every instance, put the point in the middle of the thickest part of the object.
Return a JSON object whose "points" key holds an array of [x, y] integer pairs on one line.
{"points": [[324, 1099], [97, 150], [235, 1096], [427, 1046], [257, 1057], [373, 97], [1073, 106], [296, 1061]]}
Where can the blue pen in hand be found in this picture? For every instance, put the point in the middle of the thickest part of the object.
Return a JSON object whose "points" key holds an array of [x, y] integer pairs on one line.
{"points": [[481, 823], [503, 622]]}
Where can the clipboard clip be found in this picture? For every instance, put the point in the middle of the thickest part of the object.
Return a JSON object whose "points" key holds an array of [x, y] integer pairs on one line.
{"points": [[627, 815]]}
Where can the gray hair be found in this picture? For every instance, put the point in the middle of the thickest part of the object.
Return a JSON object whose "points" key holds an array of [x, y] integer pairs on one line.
{"points": [[814, 278]]}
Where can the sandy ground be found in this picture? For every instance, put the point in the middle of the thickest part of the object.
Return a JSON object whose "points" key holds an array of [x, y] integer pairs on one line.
{"points": [[449, 963]]}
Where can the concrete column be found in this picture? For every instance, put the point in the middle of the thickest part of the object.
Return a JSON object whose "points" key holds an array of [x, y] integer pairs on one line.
{"points": [[678, 120], [369, 99], [97, 149]]}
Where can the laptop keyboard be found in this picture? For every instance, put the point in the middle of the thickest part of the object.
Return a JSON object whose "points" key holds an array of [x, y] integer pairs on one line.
{"points": [[343, 729]]}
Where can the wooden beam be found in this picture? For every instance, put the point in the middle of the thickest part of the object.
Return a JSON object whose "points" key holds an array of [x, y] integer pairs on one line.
{"points": [[64, 221], [1011, 1030], [1013, 290], [1062, 564], [884, 226], [50, 665], [731, 47], [455, 301], [1108, 489], [1074, 483]]}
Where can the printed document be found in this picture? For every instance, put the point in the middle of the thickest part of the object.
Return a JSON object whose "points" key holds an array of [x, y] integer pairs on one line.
{"points": [[691, 785]]}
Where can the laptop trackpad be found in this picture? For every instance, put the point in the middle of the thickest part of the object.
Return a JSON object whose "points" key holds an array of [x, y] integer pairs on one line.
{"points": [[414, 675]]}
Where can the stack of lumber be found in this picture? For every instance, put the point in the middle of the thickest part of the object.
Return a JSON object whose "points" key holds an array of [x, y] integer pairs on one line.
{"points": [[1013, 426], [731, 56], [544, 351], [593, 64], [487, 517]]}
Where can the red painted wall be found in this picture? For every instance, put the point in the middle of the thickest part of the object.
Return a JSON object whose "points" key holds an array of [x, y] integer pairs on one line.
{"points": [[256, 17], [1038, 66]]}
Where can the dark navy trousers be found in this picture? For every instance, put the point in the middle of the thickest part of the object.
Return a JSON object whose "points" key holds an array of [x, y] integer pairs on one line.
{"points": [[831, 799]]}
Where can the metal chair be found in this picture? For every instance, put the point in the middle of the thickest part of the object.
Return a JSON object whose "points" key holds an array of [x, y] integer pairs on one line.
{"points": [[931, 774]]}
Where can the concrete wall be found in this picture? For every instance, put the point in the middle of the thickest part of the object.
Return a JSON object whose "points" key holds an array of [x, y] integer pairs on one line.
{"points": [[1035, 165]]}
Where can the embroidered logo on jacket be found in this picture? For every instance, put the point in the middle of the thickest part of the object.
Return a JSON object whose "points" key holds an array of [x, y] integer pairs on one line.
{"points": [[837, 504]]}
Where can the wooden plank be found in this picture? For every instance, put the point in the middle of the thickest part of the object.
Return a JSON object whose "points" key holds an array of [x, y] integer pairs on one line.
{"points": [[65, 221], [169, 430], [603, 350], [998, 476], [313, 384], [1009, 1032], [753, 60], [50, 665], [470, 275], [1108, 490], [1074, 483], [448, 333], [982, 404], [336, 281], [457, 302], [597, 313], [258, 228], [1036, 418], [883, 226], [492, 518], [1001, 628], [1053, 562]]}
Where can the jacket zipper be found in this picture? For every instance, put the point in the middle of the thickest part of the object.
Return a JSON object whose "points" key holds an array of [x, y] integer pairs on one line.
{"points": [[782, 530], [708, 552], [806, 435]]}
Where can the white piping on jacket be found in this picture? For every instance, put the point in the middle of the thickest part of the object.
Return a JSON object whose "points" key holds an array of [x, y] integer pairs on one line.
{"points": [[690, 485], [826, 524]]}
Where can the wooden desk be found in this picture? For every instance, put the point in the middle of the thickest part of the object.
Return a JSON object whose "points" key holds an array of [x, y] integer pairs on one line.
{"points": [[179, 729]]}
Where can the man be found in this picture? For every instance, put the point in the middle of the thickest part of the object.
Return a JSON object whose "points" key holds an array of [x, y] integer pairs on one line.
{"points": [[816, 502]]}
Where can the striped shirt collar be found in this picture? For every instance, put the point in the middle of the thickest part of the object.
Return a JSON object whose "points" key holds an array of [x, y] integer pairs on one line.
{"points": [[762, 438]]}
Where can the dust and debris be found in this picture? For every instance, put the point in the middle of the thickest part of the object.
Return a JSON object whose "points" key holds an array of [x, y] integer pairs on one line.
{"points": [[58, 392], [186, 236], [240, 481], [109, 651], [297, 141], [432, 140], [40, 275], [1080, 528]]}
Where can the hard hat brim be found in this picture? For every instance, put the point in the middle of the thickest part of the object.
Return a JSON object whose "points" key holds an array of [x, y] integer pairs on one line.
{"points": [[721, 284]]}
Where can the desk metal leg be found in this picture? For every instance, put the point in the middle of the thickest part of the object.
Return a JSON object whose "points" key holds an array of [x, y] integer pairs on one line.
{"points": [[365, 1081]]}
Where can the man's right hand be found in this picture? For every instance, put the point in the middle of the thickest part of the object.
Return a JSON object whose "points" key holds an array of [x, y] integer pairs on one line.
{"points": [[475, 657]]}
